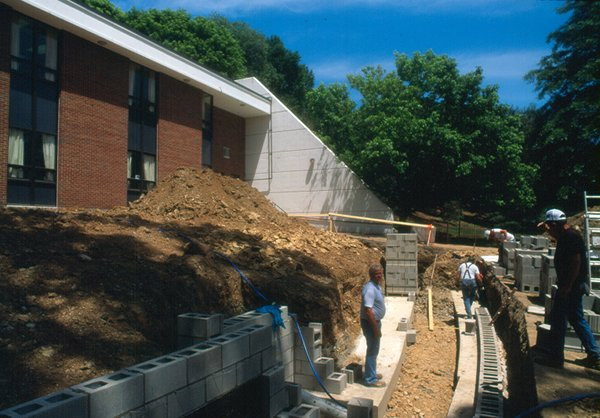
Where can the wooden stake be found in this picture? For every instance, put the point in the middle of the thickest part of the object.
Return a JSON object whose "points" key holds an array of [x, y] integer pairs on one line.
{"points": [[429, 309]]}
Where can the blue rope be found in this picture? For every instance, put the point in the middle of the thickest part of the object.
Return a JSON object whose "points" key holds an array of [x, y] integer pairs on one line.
{"points": [[572, 398]]}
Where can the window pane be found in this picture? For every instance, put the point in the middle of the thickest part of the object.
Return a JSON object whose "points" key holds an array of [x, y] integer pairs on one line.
{"points": [[49, 151], [135, 170], [151, 87], [16, 147], [21, 42], [149, 167], [149, 139], [134, 131], [20, 102], [46, 107], [134, 80], [44, 194], [206, 150], [46, 49], [207, 109]]}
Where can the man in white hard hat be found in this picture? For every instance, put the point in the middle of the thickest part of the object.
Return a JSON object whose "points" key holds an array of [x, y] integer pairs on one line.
{"points": [[498, 235], [571, 279]]}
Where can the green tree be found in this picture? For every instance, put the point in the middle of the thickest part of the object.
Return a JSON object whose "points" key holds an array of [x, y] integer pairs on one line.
{"points": [[107, 8], [426, 134], [564, 135], [198, 38]]}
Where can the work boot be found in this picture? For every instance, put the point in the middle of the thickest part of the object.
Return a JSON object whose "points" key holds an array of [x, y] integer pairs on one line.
{"points": [[376, 384], [589, 362]]}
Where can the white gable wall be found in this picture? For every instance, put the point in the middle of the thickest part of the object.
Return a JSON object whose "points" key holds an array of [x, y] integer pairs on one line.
{"points": [[300, 174]]}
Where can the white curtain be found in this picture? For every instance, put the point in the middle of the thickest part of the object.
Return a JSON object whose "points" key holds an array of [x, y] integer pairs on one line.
{"points": [[15, 38], [129, 162], [16, 152], [49, 150], [132, 68], [149, 167], [51, 49]]}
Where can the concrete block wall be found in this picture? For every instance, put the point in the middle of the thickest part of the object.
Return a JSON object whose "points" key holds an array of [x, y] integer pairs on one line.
{"points": [[401, 273], [179, 383], [527, 272], [508, 250]]}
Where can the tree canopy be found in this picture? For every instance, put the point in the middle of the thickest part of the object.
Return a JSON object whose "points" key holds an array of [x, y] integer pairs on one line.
{"points": [[426, 134], [564, 135]]}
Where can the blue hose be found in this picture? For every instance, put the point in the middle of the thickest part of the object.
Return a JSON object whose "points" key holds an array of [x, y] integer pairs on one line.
{"points": [[555, 402]]}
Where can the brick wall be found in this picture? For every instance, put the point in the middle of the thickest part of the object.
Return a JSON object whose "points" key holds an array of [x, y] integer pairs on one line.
{"points": [[179, 126], [4, 94], [229, 131], [93, 120]]}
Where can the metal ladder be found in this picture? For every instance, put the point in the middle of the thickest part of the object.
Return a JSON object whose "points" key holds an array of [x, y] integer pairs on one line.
{"points": [[592, 242]]}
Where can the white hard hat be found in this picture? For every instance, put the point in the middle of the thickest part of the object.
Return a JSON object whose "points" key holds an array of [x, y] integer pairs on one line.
{"points": [[555, 215], [486, 233]]}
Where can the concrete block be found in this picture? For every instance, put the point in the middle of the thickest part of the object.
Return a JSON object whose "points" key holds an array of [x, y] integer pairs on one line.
{"points": [[248, 369], [411, 336], [349, 375], [158, 408], [305, 411], [276, 403], [412, 296], [286, 356], [235, 323], [294, 393], [313, 336], [221, 383], [202, 360], [283, 342], [162, 375], [114, 394], [402, 325], [66, 403], [260, 337], [288, 371], [360, 408], [302, 367], [324, 366], [186, 400], [308, 382], [336, 382], [272, 380], [199, 325], [313, 352], [234, 347], [267, 358], [470, 326]]}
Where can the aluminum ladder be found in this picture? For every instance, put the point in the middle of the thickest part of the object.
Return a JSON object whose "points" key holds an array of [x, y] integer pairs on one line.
{"points": [[592, 241]]}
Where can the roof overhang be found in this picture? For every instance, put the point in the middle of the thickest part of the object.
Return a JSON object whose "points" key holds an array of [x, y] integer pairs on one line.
{"points": [[77, 19]]}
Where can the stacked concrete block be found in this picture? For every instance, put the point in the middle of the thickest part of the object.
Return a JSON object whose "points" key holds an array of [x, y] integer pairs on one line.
{"points": [[248, 319], [401, 274], [66, 403], [591, 311], [527, 272], [349, 375], [313, 339], [283, 346], [113, 395], [162, 375], [202, 360], [360, 408], [193, 328], [547, 274], [336, 382], [274, 394], [187, 400], [539, 242]]}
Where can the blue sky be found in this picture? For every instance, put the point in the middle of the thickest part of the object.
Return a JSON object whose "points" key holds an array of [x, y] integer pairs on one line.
{"points": [[507, 38]]}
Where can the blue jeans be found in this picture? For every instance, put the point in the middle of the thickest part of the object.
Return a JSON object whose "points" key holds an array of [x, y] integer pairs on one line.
{"points": [[570, 308], [468, 287], [372, 351]]}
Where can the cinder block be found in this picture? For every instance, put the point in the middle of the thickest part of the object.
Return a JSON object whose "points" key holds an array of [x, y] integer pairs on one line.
{"points": [[199, 325], [313, 352], [202, 360], [313, 336], [235, 323], [336, 382], [221, 383], [114, 394], [470, 326], [272, 380], [288, 371], [248, 369], [411, 336], [306, 381], [283, 342], [305, 411], [349, 375], [412, 296], [155, 409], [234, 347], [286, 356], [360, 408], [324, 366], [402, 325], [162, 375], [260, 337], [267, 358], [302, 367], [66, 403], [276, 403], [294, 393], [187, 399]]}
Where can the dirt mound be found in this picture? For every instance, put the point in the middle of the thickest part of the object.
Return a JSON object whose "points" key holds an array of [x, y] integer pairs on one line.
{"points": [[86, 292]]}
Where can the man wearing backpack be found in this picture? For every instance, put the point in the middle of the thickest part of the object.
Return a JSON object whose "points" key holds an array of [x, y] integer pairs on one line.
{"points": [[468, 275]]}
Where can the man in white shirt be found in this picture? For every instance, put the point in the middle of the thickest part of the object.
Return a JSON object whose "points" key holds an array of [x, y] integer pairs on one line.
{"points": [[499, 235], [372, 311], [468, 274]]}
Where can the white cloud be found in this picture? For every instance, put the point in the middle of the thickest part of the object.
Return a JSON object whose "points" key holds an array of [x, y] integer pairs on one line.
{"points": [[505, 65], [336, 70]]}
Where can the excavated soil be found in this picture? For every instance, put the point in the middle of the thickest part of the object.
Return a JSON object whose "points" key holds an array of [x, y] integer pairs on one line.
{"points": [[86, 292]]}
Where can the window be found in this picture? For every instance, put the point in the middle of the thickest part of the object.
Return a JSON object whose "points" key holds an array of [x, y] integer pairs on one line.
{"points": [[33, 113], [141, 157], [207, 130]]}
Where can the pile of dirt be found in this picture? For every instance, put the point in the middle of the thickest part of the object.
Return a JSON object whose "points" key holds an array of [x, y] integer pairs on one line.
{"points": [[86, 292]]}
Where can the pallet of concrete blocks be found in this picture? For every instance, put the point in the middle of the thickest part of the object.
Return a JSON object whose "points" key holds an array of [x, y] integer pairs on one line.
{"points": [[401, 273], [591, 311], [527, 272], [194, 328], [539, 242], [547, 274]]}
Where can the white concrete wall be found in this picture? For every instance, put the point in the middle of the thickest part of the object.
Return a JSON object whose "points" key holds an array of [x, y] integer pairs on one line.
{"points": [[300, 174]]}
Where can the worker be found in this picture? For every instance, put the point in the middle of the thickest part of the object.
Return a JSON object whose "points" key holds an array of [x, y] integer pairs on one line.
{"points": [[468, 275], [571, 279], [498, 235], [372, 311]]}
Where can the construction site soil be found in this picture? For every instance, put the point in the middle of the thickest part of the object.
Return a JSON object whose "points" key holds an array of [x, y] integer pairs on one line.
{"points": [[87, 292]]}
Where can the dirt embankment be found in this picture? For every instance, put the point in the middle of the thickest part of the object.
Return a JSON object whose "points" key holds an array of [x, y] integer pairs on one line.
{"points": [[86, 292]]}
